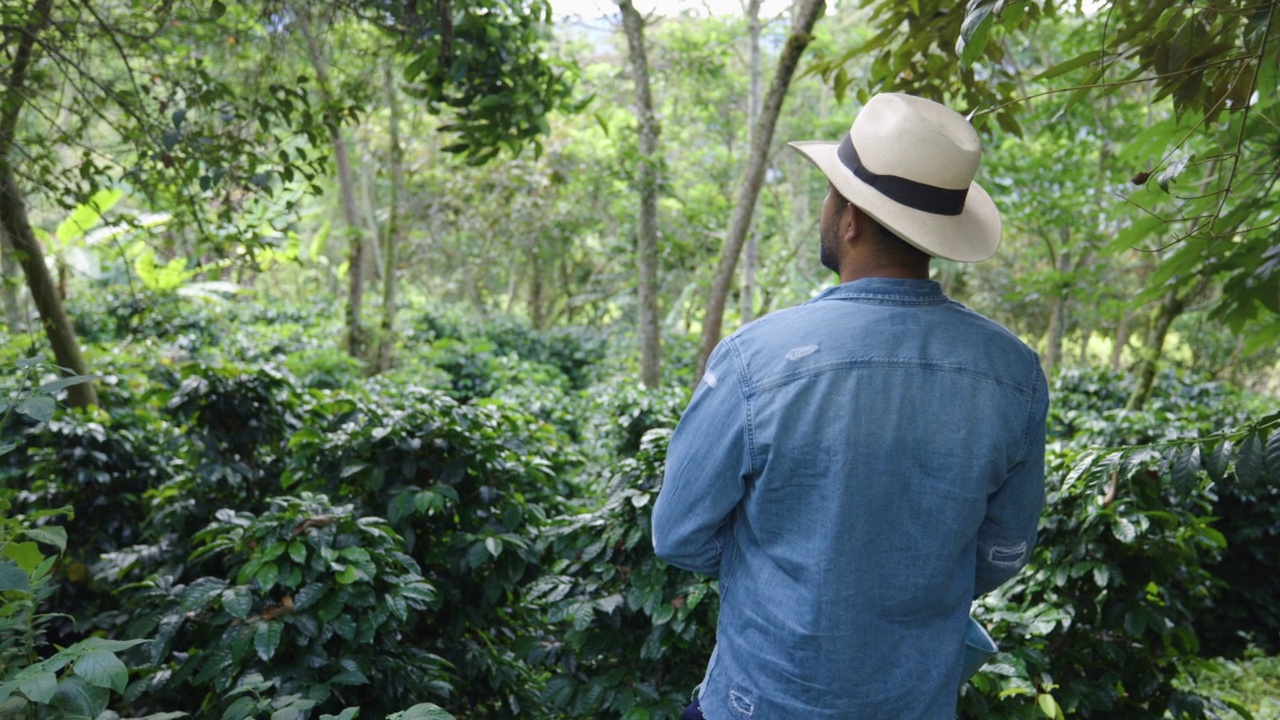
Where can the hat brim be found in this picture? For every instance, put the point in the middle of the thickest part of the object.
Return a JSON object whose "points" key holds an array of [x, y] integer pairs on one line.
{"points": [[971, 236]]}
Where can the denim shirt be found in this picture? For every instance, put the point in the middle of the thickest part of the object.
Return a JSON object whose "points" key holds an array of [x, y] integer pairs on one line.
{"points": [[854, 470]]}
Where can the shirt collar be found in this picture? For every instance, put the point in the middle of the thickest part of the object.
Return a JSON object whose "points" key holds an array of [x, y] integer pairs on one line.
{"points": [[878, 288]]}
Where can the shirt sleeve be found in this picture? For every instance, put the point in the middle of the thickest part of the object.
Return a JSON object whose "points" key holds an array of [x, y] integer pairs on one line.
{"points": [[707, 462], [1008, 533]]}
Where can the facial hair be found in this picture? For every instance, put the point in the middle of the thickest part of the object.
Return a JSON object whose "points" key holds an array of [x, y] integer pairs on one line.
{"points": [[828, 244]]}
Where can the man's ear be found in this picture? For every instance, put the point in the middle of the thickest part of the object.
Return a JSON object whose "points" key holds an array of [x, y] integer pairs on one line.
{"points": [[857, 222]]}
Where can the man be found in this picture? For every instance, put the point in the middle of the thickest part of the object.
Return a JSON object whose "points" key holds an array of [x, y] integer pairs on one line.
{"points": [[857, 469]]}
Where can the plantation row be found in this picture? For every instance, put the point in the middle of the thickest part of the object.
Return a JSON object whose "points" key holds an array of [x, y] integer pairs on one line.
{"points": [[253, 528]]}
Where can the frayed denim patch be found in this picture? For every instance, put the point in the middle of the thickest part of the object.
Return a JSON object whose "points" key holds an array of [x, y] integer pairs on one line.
{"points": [[1007, 555], [741, 702]]}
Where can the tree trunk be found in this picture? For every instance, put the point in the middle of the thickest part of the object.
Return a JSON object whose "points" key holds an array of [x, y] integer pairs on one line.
{"points": [[747, 294], [17, 227], [753, 176], [537, 313], [386, 340], [1121, 339], [9, 285], [647, 220], [57, 327], [1058, 309], [1170, 308], [346, 186]]}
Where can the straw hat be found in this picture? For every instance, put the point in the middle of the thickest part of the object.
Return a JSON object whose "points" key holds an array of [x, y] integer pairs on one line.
{"points": [[909, 163]]}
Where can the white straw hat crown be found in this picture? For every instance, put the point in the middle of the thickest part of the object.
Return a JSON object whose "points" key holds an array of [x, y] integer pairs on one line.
{"points": [[910, 163]]}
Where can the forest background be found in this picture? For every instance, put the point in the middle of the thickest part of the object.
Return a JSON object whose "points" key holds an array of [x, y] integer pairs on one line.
{"points": [[344, 339]]}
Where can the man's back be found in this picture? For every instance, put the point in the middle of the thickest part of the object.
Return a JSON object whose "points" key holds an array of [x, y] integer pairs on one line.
{"points": [[854, 470]]}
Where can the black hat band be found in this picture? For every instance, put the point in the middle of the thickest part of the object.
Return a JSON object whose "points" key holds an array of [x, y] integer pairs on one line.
{"points": [[916, 195]]}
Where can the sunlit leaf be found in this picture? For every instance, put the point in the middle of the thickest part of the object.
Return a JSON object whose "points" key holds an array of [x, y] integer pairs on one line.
{"points": [[87, 216]]}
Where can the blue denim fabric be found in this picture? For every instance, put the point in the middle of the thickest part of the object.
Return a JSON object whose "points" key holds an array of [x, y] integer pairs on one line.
{"points": [[855, 471]]}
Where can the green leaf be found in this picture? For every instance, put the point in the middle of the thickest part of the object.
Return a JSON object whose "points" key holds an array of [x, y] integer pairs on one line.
{"points": [[87, 216], [242, 708], [1048, 705], [26, 554], [424, 711], [307, 596], [115, 646], [1124, 530], [350, 676], [1249, 462], [40, 687], [344, 626], [1186, 466], [217, 9], [975, 30], [102, 668], [1101, 575], [75, 697], [37, 407], [397, 605], [1068, 65], [267, 576], [13, 578], [292, 710], [54, 386], [1219, 461], [1271, 457], [200, 593], [347, 714], [477, 555], [237, 601], [267, 638], [49, 535]]}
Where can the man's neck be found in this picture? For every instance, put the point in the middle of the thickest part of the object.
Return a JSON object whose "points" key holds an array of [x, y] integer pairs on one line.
{"points": [[858, 271]]}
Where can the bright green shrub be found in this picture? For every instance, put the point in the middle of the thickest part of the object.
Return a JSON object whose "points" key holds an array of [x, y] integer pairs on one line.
{"points": [[622, 412], [478, 370], [325, 368], [574, 351], [312, 598], [112, 313], [467, 486]]}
